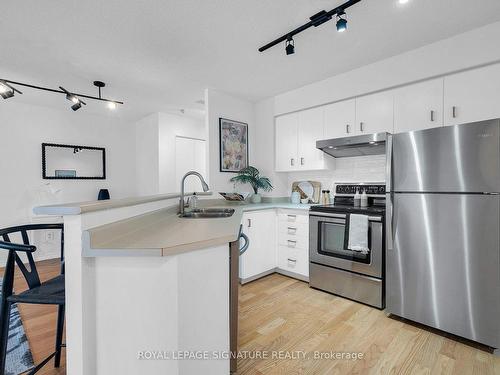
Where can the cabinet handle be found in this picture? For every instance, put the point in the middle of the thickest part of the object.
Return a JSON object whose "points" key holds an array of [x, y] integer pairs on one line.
{"points": [[302, 161], [361, 127], [454, 111], [292, 230], [292, 242], [432, 116], [348, 128], [249, 222], [292, 260], [292, 217], [292, 162]]}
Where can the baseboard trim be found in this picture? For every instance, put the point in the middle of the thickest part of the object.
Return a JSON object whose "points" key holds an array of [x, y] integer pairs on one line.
{"points": [[275, 270]]}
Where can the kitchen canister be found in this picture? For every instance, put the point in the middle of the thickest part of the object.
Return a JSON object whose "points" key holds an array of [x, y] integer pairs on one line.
{"points": [[295, 197]]}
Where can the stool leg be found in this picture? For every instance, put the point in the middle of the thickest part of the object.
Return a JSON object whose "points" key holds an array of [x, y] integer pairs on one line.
{"points": [[59, 335], [4, 332]]}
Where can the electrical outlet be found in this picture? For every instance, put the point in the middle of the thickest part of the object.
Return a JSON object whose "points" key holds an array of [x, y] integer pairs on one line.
{"points": [[50, 236]]}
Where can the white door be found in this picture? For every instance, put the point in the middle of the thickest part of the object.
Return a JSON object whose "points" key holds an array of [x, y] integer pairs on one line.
{"points": [[190, 156], [418, 106], [340, 119], [286, 142], [260, 257], [375, 113], [472, 96], [311, 129]]}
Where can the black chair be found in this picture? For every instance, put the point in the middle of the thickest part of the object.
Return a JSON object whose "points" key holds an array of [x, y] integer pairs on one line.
{"points": [[50, 292]]}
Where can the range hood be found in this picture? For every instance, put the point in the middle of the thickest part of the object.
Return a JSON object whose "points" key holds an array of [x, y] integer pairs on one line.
{"points": [[359, 145]]}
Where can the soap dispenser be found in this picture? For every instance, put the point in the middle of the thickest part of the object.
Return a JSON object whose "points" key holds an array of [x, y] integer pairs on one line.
{"points": [[364, 199], [357, 199]]}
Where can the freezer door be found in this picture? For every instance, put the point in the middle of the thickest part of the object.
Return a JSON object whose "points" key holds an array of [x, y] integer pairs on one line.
{"points": [[461, 158], [444, 266]]}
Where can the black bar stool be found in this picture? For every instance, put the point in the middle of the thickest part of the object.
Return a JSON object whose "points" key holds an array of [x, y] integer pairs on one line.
{"points": [[50, 292]]}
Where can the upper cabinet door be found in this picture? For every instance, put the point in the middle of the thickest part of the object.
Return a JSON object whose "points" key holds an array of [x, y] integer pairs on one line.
{"points": [[375, 113], [311, 129], [418, 106], [472, 96], [286, 142], [340, 119]]}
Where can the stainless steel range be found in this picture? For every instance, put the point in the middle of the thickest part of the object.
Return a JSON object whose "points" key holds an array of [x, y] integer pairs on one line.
{"points": [[334, 267]]}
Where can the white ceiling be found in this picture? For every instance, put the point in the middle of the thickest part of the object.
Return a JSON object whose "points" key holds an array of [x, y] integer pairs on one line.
{"points": [[159, 55]]}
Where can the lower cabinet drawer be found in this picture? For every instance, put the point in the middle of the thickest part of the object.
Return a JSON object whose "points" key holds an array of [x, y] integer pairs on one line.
{"points": [[293, 260], [293, 242]]}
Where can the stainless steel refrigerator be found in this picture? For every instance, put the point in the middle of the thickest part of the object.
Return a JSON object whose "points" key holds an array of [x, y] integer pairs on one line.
{"points": [[443, 223]]}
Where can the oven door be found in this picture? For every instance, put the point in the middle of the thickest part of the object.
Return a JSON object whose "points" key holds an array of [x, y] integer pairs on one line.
{"points": [[326, 244]]}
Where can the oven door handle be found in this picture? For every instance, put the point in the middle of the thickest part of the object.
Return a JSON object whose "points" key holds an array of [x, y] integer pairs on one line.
{"points": [[340, 216]]}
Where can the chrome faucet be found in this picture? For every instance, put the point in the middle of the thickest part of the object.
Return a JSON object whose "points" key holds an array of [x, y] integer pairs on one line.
{"points": [[203, 184]]}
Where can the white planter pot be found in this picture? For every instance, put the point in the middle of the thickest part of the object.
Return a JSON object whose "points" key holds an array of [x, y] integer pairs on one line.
{"points": [[256, 198]]}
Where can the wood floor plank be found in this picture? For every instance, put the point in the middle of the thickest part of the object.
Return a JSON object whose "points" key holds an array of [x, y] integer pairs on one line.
{"points": [[278, 313]]}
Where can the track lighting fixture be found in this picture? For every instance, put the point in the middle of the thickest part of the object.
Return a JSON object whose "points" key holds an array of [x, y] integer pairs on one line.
{"points": [[341, 22], [6, 90], [77, 102], [290, 46], [315, 20]]}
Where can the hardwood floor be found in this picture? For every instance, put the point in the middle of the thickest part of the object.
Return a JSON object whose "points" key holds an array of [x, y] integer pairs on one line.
{"points": [[278, 313], [282, 314]]}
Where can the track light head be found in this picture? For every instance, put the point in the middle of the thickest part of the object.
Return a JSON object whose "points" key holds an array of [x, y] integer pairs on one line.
{"points": [[76, 106], [72, 98], [290, 46], [111, 105], [6, 90], [341, 22]]}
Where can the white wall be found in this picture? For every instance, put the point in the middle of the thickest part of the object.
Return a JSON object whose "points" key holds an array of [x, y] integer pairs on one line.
{"points": [[471, 49], [25, 127], [265, 140], [170, 126], [219, 104], [155, 143]]}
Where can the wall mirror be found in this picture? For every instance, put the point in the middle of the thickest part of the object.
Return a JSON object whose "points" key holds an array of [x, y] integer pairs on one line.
{"points": [[73, 162]]}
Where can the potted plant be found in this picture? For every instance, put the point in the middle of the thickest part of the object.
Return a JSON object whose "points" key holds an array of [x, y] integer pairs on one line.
{"points": [[251, 175]]}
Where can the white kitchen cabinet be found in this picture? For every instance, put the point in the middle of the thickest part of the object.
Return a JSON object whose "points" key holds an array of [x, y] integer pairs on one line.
{"points": [[295, 143], [472, 96], [418, 106], [260, 257], [340, 119], [190, 155], [310, 130], [293, 243], [375, 113], [286, 142]]}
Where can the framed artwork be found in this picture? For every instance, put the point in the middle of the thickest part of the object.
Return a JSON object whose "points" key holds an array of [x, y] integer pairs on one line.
{"points": [[233, 140]]}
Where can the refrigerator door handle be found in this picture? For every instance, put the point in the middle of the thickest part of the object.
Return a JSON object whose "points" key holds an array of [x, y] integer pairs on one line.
{"points": [[389, 222], [388, 164]]}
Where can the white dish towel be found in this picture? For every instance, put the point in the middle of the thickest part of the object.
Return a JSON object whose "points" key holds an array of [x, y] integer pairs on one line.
{"points": [[358, 233]]}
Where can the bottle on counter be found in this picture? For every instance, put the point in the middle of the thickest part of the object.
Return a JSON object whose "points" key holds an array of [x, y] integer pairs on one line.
{"points": [[328, 198], [364, 199], [193, 202], [357, 199]]}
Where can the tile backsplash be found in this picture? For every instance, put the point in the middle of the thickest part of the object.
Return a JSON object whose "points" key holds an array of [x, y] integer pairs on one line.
{"points": [[353, 169]]}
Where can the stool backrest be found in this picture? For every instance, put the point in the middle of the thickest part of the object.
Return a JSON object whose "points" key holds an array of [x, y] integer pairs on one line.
{"points": [[31, 276]]}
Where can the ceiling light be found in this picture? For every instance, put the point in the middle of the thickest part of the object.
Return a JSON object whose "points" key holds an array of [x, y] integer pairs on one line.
{"points": [[6, 90], [403, 1], [77, 102], [341, 22], [111, 105], [76, 106], [290, 46]]}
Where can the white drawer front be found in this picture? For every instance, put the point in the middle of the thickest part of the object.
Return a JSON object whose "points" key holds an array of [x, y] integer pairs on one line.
{"points": [[293, 260], [293, 229], [294, 242], [292, 217]]}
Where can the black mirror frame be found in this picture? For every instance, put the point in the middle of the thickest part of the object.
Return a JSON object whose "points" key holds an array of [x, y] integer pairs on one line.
{"points": [[44, 171]]}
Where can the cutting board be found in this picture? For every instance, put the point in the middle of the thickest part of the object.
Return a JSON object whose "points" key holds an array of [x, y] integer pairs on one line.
{"points": [[308, 189]]}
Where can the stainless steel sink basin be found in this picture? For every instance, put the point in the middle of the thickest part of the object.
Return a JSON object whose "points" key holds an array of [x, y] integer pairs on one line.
{"points": [[209, 213]]}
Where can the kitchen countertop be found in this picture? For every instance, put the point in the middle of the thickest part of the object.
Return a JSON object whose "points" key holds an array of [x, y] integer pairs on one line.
{"points": [[163, 233], [79, 208]]}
